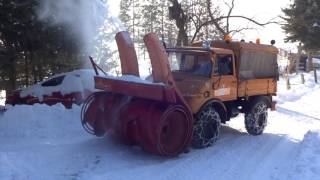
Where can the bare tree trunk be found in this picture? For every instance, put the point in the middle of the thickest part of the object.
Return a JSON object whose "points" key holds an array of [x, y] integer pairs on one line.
{"points": [[12, 76], [177, 13], [33, 67], [182, 39], [40, 69]]}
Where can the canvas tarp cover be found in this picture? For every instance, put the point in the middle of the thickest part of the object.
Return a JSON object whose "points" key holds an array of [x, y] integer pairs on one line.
{"points": [[257, 65]]}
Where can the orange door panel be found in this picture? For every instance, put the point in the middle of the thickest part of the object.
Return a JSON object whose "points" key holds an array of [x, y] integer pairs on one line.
{"points": [[224, 88]]}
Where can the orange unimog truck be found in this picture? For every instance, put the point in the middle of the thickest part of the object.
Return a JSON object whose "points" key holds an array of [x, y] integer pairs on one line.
{"points": [[220, 79], [191, 91]]}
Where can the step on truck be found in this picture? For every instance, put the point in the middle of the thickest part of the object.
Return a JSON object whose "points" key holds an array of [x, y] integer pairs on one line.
{"points": [[191, 92]]}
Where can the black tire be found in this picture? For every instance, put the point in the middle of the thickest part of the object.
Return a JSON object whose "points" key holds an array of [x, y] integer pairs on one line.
{"points": [[206, 128], [256, 117]]}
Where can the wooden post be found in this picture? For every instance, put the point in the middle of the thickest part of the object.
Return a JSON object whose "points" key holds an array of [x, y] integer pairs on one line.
{"points": [[288, 82], [315, 75], [310, 62], [302, 78]]}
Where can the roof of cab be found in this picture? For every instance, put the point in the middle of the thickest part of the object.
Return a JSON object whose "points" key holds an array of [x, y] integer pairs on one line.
{"points": [[222, 51], [200, 50], [239, 46]]}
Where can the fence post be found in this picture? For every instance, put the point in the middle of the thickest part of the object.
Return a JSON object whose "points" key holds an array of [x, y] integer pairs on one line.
{"points": [[315, 75], [288, 82], [302, 78]]}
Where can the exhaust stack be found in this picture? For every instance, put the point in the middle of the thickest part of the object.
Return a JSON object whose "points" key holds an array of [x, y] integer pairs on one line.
{"points": [[127, 53]]}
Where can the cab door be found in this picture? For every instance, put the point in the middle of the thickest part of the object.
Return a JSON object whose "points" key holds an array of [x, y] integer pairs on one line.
{"points": [[224, 79]]}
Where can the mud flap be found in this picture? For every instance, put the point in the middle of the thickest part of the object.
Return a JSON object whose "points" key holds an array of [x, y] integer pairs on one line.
{"points": [[273, 105]]}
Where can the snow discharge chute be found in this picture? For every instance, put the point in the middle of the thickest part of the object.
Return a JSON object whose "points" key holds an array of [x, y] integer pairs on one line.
{"points": [[153, 115]]}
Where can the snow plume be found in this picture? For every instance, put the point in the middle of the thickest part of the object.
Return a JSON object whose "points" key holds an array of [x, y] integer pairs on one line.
{"points": [[2, 97], [89, 20]]}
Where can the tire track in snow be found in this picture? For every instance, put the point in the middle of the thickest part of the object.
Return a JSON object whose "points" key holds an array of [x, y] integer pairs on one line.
{"points": [[277, 160], [223, 160], [250, 157], [296, 113], [307, 164]]}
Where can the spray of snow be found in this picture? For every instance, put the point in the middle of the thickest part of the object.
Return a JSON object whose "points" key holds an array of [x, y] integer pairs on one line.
{"points": [[89, 20], [94, 26]]}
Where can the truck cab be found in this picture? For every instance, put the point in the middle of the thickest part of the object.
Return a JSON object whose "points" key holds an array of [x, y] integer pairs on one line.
{"points": [[204, 74], [223, 80]]}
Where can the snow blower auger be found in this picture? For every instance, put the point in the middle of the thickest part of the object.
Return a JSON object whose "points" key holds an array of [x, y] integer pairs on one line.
{"points": [[153, 115]]}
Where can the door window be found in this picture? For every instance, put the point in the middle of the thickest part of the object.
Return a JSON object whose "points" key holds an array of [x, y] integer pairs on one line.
{"points": [[224, 65]]}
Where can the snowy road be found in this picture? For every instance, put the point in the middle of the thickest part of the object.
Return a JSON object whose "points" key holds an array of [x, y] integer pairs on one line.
{"points": [[49, 143]]}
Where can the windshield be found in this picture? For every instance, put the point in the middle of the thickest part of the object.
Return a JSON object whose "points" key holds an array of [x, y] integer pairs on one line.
{"points": [[54, 81], [198, 64]]}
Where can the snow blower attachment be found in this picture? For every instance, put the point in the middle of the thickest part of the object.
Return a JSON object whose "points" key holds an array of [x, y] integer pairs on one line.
{"points": [[153, 115]]}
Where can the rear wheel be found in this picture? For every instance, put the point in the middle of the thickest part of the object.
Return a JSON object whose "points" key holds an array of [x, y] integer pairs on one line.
{"points": [[206, 128], [256, 117]]}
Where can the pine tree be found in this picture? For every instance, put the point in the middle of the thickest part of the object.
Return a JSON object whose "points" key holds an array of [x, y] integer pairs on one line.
{"points": [[124, 15], [303, 23], [32, 49]]}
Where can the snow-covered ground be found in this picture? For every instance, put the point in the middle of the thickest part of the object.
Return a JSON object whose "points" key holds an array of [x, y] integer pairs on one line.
{"points": [[41, 142]]}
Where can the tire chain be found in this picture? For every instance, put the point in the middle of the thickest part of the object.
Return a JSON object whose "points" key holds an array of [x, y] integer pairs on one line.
{"points": [[205, 118]]}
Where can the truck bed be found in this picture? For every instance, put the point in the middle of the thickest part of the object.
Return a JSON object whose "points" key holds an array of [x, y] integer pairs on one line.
{"points": [[257, 87]]}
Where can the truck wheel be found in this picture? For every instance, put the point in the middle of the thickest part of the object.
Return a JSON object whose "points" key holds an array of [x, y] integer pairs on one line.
{"points": [[206, 128], [256, 117]]}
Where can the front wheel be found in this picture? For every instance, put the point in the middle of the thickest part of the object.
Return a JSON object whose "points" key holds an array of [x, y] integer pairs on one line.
{"points": [[206, 128], [256, 117]]}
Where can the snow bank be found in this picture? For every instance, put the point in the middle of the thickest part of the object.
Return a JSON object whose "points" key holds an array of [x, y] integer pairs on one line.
{"points": [[307, 164], [34, 141], [297, 90], [40, 121]]}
